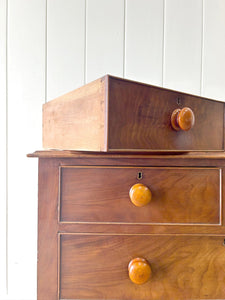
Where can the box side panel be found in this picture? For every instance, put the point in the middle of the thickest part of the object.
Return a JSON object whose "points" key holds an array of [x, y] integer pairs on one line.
{"points": [[75, 121]]}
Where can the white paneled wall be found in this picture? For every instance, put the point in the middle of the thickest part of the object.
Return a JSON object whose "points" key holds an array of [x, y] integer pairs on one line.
{"points": [[49, 47], [3, 145], [65, 44], [213, 76], [144, 40], [183, 45], [104, 38], [26, 91], [25, 81]]}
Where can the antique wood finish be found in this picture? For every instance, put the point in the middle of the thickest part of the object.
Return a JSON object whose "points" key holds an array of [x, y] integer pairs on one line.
{"points": [[113, 114], [179, 195], [77, 119], [152, 158], [140, 195], [90, 260], [95, 267], [47, 270], [183, 119], [145, 119], [139, 270]]}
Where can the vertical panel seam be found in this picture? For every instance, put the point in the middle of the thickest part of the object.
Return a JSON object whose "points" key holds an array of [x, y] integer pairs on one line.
{"points": [[6, 151], [124, 36], [202, 48], [163, 43], [85, 42], [221, 195], [46, 49]]}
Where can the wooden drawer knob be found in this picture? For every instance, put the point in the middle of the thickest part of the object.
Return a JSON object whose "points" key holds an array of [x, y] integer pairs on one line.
{"points": [[139, 270], [140, 195], [183, 119]]}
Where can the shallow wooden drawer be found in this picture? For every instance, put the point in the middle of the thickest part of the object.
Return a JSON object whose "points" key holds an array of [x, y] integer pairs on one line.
{"points": [[183, 267], [112, 114], [101, 194]]}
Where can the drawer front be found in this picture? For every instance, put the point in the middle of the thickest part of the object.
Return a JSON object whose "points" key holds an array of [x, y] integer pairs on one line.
{"points": [[101, 194], [183, 267], [140, 119]]}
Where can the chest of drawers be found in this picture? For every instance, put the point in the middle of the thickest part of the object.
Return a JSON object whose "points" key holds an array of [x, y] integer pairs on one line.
{"points": [[171, 236], [122, 221]]}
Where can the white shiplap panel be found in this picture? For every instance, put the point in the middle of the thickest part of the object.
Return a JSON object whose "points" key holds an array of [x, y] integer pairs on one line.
{"points": [[26, 91], [183, 45], [144, 40], [65, 46], [3, 112], [105, 38], [213, 79]]}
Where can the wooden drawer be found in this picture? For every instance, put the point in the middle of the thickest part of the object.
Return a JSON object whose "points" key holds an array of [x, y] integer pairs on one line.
{"points": [[95, 266], [101, 194], [112, 114]]}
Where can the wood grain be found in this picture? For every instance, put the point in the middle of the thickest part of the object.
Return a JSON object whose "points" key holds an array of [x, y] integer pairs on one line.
{"points": [[198, 156], [163, 229], [47, 272], [144, 123], [140, 195], [76, 120], [183, 267], [139, 270], [186, 261], [101, 194], [114, 114]]}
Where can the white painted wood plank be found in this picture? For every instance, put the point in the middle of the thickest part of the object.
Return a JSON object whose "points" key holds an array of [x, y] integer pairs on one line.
{"points": [[3, 173], [105, 38], [26, 91], [144, 41], [65, 46], [213, 80], [183, 45]]}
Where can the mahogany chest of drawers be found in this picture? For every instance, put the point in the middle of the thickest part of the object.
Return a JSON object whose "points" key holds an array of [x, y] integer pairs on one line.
{"points": [[138, 215], [89, 230]]}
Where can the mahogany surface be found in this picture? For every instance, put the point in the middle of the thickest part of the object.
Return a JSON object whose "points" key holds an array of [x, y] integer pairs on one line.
{"points": [[101, 194], [94, 266], [140, 118], [89, 260]]}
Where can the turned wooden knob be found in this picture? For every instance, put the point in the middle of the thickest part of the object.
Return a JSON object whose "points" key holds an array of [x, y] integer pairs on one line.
{"points": [[183, 119], [140, 195], [139, 270]]}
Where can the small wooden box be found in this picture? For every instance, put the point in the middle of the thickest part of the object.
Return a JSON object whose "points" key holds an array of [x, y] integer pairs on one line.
{"points": [[113, 114]]}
